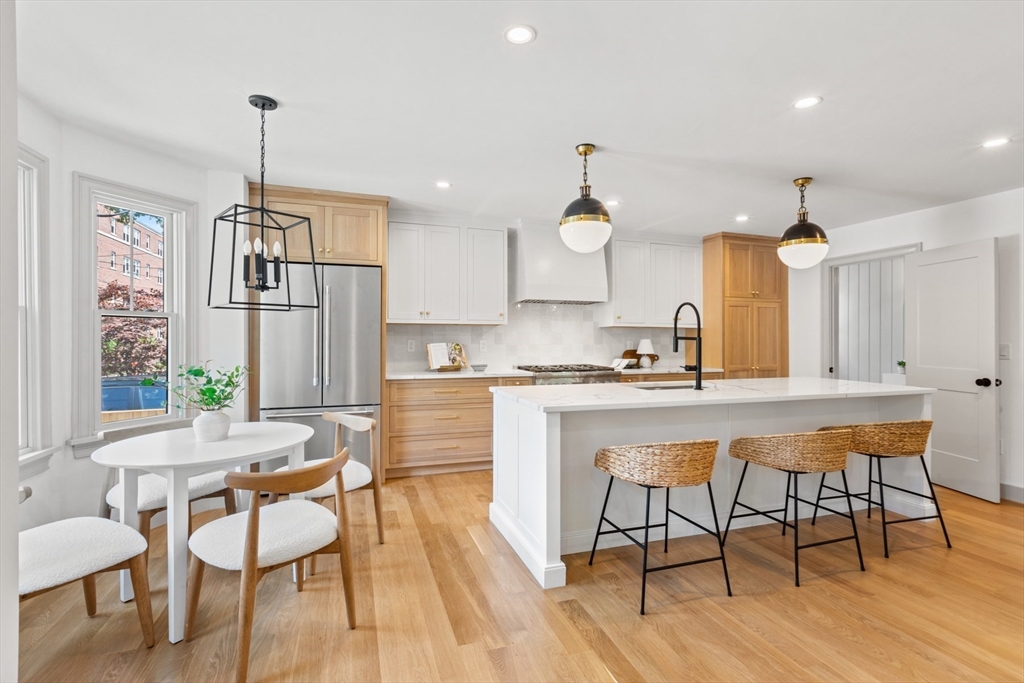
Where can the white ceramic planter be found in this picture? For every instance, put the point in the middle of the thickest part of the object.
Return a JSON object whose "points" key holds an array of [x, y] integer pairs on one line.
{"points": [[211, 425]]}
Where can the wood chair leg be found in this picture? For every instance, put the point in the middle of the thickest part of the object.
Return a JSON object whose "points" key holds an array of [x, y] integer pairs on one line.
{"points": [[89, 588], [300, 574], [378, 509], [229, 502], [191, 526], [195, 585], [346, 560], [272, 498], [246, 605], [145, 523], [312, 565], [139, 569]]}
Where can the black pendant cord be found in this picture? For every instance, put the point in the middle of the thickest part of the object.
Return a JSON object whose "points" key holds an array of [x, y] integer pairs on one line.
{"points": [[263, 169]]}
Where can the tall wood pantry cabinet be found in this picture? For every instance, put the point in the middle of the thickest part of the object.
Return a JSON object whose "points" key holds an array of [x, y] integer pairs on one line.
{"points": [[746, 306]]}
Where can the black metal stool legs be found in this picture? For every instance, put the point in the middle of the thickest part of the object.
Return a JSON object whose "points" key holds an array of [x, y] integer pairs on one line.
{"points": [[647, 529], [881, 500], [935, 499], [853, 522], [817, 501], [611, 480], [796, 526], [785, 508], [721, 541], [735, 502]]}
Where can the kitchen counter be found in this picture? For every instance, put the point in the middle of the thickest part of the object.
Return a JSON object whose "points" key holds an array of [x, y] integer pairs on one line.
{"points": [[668, 371], [547, 494], [588, 397], [461, 374]]}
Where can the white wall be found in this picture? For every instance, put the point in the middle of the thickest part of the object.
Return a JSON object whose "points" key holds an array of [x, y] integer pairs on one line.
{"points": [[998, 215], [8, 342], [73, 486]]}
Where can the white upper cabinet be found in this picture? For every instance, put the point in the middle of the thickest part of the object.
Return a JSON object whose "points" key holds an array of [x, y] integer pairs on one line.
{"points": [[649, 281], [446, 275], [405, 272], [486, 254], [629, 286], [441, 260], [675, 278]]}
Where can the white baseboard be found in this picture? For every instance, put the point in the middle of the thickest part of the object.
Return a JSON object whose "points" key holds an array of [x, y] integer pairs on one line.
{"points": [[1012, 493]]}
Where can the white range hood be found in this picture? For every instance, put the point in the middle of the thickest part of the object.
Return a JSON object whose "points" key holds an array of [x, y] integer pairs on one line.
{"points": [[543, 270]]}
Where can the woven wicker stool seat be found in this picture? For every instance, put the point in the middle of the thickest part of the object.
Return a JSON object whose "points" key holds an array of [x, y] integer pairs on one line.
{"points": [[795, 454], [879, 441], [654, 466]]}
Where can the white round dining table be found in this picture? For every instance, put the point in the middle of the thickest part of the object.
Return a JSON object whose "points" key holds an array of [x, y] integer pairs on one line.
{"points": [[176, 455]]}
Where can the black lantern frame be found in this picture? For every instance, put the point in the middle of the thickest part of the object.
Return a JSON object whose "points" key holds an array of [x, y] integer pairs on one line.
{"points": [[271, 224], [256, 274]]}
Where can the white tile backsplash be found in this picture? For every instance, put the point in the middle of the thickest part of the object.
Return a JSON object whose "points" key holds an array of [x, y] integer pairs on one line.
{"points": [[535, 333]]}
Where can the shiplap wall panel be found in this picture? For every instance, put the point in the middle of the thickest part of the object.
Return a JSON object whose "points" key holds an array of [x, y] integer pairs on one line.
{"points": [[868, 306]]}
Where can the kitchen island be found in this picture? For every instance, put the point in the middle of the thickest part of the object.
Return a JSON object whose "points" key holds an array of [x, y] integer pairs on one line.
{"points": [[547, 494]]}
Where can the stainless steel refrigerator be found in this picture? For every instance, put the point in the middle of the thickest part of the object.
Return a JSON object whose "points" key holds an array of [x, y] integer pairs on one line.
{"points": [[326, 359]]}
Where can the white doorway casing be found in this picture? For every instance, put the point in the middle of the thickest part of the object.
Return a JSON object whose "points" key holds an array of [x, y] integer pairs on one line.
{"points": [[952, 319]]}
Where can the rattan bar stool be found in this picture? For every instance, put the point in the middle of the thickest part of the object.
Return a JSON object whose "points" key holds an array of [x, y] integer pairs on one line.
{"points": [[795, 454], [880, 441], [655, 466]]}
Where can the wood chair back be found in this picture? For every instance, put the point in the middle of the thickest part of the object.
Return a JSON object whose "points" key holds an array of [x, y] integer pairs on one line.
{"points": [[357, 423], [289, 481]]}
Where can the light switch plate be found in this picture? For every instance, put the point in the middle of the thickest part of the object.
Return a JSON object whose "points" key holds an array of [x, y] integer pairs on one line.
{"points": [[1004, 352], [412, 345], [483, 346]]}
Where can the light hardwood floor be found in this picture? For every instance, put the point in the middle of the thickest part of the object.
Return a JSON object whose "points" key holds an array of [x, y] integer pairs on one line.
{"points": [[446, 599]]}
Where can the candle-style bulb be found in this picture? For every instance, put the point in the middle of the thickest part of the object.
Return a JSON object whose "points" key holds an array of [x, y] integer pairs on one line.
{"points": [[247, 248], [265, 250], [277, 248]]}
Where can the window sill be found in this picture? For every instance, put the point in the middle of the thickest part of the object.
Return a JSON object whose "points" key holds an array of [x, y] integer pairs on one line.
{"points": [[84, 447], [35, 462]]}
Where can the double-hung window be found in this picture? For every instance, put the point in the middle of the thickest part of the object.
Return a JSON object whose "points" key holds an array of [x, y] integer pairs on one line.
{"points": [[113, 258], [134, 329]]}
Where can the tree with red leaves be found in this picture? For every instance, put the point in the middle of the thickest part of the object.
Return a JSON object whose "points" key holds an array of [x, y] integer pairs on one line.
{"points": [[132, 346]]}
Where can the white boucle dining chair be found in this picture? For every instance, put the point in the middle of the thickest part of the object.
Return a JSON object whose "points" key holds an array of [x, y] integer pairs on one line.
{"points": [[69, 550], [357, 475], [271, 537]]}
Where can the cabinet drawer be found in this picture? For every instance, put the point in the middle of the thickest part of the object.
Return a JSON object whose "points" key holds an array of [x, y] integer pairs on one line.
{"points": [[630, 378], [420, 419], [407, 451], [439, 391], [517, 382]]}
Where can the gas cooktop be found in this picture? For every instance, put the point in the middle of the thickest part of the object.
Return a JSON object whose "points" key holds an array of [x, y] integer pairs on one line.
{"points": [[571, 367], [572, 373]]}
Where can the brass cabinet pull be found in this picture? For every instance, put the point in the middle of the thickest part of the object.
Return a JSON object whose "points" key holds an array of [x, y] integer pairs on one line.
{"points": [[428, 312], [618, 317], [501, 315], [421, 312], [320, 250], [446, 391], [445, 448], [328, 251], [447, 417]]}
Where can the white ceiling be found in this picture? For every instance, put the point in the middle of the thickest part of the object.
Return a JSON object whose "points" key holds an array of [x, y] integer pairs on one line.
{"points": [[689, 103]]}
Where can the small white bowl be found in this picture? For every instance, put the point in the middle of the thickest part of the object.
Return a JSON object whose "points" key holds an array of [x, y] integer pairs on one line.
{"points": [[478, 367]]}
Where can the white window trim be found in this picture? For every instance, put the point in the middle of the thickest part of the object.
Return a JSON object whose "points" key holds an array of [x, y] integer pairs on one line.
{"points": [[182, 292], [36, 458], [827, 293]]}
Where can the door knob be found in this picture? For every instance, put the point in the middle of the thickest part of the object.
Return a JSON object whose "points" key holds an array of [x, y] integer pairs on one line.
{"points": [[999, 382], [983, 382]]}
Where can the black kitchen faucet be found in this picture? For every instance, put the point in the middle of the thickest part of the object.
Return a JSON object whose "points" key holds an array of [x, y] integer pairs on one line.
{"points": [[676, 338]]}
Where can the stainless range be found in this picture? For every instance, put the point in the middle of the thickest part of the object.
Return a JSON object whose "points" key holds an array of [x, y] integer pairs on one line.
{"points": [[572, 374]]}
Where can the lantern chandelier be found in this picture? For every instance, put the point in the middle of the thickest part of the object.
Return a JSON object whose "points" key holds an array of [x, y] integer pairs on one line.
{"points": [[261, 282], [585, 225]]}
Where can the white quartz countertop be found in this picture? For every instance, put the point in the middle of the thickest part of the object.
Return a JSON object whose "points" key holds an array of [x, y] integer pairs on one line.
{"points": [[667, 371], [561, 398], [461, 374]]}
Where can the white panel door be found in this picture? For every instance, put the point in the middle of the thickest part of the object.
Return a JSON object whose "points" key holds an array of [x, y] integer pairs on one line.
{"points": [[441, 272], [630, 279], [485, 275], [405, 272], [951, 324]]}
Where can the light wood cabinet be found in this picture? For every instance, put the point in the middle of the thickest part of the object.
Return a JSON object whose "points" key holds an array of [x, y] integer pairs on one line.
{"points": [[447, 275], [440, 425], [347, 228], [746, 302], [649, 279]]}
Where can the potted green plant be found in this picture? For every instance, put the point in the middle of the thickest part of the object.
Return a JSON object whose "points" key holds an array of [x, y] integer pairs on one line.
{"points": [[901, 365], [211, 392]]}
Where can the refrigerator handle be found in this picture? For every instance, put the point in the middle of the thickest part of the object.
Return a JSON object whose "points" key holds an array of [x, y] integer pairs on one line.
{"points": [[316, 348], [327, 335]]}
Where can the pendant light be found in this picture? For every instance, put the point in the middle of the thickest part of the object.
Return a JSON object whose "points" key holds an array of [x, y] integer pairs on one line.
{"points": [[250, 263], [585, 225], [804, 244]]}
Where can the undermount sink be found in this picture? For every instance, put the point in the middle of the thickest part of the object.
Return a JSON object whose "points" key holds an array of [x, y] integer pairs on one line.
{"points": [[664, 386]]}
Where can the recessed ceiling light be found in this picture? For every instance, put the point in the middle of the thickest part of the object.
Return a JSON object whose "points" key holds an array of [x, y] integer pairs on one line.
{"points": [[520, 34], [443, 184], [996, 143], [807, 102], [742, 218], [612, 202]]}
